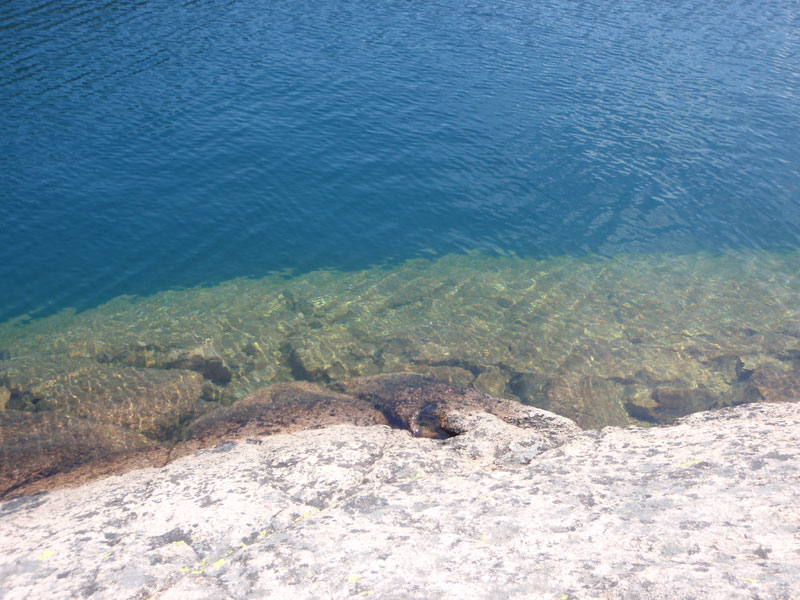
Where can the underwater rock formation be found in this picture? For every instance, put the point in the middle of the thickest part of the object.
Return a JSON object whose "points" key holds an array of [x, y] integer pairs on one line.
{"points": [[282, 408], [37, 445], [150, 401], [771, 384], [663, 336], [424, 405], [204, 360], [592, 402]]}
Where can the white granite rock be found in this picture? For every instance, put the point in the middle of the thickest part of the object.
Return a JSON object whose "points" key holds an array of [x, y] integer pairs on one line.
{"points": [[705, 508]]}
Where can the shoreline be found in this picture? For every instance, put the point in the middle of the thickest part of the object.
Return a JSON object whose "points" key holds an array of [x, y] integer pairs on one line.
{"points": [[702, 508]]}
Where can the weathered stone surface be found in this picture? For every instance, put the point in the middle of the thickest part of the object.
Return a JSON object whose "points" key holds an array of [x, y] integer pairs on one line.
{"points": [[151, 401], [283, 408], [36, 445], [485, 437], [705, 508], [422, 405], [771, 384]]}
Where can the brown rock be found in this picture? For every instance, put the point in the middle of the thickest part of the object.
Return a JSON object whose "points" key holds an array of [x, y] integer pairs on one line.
{"points": [[590, 401], [423, 405], [771, 384], [666, 404], [679, 402], [151, 401], [36, 445], [641, 405], [282, 408]]}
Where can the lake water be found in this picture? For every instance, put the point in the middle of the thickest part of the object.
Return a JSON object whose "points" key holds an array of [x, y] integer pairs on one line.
{"points": [[553, 201], [153, 145]]}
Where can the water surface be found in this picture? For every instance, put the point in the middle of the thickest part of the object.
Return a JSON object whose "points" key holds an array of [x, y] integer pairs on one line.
{"points": [[592, 208], [152, 145]]}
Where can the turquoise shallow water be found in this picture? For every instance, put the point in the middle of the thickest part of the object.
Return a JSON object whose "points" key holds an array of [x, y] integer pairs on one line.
{"points": [[152, 145]]}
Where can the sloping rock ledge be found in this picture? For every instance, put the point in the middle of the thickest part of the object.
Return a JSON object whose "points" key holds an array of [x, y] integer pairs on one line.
{"points": [[705, 508]]}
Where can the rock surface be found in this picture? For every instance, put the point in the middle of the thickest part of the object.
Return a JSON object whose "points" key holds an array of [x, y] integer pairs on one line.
{"points": [[705, 508], [149, 401], [283, 408], [40, 450], [426, 407], [38, 445]]}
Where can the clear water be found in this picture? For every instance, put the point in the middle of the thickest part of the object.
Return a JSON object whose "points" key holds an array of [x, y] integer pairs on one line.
{"points": [[591, 207], [146, 146]]}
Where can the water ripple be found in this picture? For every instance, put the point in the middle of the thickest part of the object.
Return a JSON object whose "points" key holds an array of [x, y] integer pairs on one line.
{"points": [[148, 145]]}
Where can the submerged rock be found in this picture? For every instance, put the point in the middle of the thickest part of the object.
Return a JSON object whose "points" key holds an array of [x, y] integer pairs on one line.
{"points": [[771, 384], [282, 408], [668, 403], [493, 383], [456, 375], [204, 360], [36, 445], [150, 401], [592, 402], [424, 405]]}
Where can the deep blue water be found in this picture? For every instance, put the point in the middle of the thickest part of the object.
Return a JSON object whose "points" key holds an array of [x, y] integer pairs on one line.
{"points": [[146, 145]]}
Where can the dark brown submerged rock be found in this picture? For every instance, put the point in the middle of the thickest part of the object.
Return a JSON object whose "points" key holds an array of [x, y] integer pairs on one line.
{"points": [[771, 384], [590, 401], [153, 402], [666, 404], [45, 450], [426, 406], [37, 445], [283, 408], [42, 450]]}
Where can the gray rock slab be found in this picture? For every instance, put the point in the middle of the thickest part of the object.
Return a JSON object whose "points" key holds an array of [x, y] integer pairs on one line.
{"points": [[705, 508]]}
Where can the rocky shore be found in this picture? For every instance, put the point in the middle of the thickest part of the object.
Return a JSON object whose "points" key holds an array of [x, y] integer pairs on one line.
{"points": [[516, 503], [628, 340], [470, 426]]}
